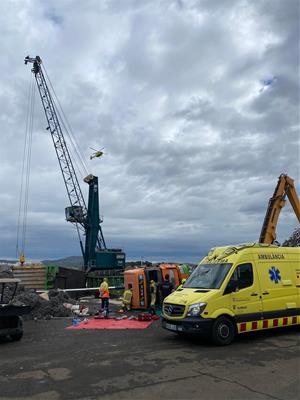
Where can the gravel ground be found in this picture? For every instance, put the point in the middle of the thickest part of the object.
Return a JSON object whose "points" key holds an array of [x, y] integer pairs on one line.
{"points": [[52, 363]]}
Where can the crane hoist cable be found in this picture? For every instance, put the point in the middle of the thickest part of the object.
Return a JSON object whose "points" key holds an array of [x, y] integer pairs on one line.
{"points": [[26, 166], [65, 122], [78, 158], [25, 175]]}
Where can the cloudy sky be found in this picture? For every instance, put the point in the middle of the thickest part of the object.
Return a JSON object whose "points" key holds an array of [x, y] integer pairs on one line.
{"points": [[195, 101]]}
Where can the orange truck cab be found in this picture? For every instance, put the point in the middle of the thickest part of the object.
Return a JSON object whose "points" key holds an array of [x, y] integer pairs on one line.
{"points": [[140, 279]]}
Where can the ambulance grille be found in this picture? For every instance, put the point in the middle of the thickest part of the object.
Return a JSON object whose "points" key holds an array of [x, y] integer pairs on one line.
{"points": [[173, 310]]}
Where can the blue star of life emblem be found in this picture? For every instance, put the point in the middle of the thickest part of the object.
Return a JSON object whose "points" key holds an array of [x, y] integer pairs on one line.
{"points": [[274, 274]]}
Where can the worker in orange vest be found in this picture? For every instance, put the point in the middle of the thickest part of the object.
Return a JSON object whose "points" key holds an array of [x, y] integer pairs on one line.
{"points": [[104, 296]]}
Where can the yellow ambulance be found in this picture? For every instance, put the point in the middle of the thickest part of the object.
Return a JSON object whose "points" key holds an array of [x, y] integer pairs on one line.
{"points": [[237, 289]]}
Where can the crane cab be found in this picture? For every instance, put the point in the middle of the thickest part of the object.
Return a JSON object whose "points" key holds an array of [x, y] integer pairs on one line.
{"points": [[74, 214]]}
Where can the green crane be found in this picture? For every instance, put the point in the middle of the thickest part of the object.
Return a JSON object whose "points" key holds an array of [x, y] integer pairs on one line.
{"points": [[96, 256]]}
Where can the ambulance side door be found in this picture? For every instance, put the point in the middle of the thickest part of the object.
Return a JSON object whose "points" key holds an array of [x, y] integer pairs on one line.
{"points": [[245, 296], [279, 292]]}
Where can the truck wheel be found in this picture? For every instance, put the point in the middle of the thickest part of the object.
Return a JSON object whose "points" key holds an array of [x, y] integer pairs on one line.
{"points": [[18, 335], [223, 331]]}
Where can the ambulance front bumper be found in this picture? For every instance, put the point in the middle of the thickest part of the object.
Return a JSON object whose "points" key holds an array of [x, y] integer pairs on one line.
{"points": [[197, 325]]}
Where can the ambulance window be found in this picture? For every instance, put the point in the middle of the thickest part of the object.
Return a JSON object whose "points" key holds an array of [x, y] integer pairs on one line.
{"points": [[244, 275]]}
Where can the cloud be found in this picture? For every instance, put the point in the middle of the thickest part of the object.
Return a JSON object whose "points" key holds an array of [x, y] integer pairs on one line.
{"points": [[171, 89]]}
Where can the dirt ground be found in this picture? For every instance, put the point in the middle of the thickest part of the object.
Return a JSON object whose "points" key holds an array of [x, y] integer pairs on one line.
{"points": [[52, 363]]}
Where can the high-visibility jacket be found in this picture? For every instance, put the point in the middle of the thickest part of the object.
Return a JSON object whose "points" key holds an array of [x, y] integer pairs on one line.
{"points": [[104, 294], [103, 286], [127, 297], [153, 291], [153, 288]]}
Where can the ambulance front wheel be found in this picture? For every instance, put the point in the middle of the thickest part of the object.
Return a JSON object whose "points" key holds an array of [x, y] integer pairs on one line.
{"points": [[223, 331]]}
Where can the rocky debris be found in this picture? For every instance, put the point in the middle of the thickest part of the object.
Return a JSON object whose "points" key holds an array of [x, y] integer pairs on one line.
{"points": [[44, 309], [6, 271], [293, 240], [43, 306], [40, 307]]}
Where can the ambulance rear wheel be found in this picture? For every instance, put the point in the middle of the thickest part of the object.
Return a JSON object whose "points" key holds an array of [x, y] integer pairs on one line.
{"points": [[223, 331]]}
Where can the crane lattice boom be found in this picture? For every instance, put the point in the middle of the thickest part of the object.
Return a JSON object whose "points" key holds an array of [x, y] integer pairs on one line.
{"points": [[78, 212]]}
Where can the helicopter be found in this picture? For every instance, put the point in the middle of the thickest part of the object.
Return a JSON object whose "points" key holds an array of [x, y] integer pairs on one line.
{"points": [[97, 153]]}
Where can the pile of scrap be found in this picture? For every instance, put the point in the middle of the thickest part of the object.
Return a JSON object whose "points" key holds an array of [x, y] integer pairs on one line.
{"points": [[43, 306], [6, 271], [293, 240]]}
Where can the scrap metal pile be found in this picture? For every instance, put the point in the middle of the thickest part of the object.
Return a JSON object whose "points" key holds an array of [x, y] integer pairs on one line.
{"points": [[42, 306], [293, 240]]}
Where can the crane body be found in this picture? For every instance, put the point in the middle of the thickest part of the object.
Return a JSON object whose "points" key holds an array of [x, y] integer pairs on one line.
{"points": [[285, 188], [95, 254]]}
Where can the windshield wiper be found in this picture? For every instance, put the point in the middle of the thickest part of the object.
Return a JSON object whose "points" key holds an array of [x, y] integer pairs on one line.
{"points": [[195, 287]]}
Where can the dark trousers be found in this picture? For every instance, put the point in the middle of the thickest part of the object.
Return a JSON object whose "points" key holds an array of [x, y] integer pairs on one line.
{"points": [[104, 303]]}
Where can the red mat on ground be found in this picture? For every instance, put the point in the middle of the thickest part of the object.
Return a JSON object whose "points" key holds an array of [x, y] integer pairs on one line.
{"points": [[112, 324]]}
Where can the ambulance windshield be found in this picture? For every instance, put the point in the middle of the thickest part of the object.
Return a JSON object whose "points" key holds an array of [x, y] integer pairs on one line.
{"points": [[208, 276]]}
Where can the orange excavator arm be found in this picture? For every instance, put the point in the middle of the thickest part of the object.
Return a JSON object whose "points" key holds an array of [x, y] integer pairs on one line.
{"points": [[285, 188]]}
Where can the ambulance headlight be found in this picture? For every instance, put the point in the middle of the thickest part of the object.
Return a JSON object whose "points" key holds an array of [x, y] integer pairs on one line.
{"points": [[196, 309]]}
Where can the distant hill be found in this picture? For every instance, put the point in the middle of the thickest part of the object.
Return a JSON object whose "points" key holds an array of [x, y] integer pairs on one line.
{"points": [[76, 262], [11, 261], [67, 262]]}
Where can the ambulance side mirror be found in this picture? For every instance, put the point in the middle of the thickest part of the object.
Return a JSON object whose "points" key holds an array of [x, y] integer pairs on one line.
{"points": [[231, 287]]}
